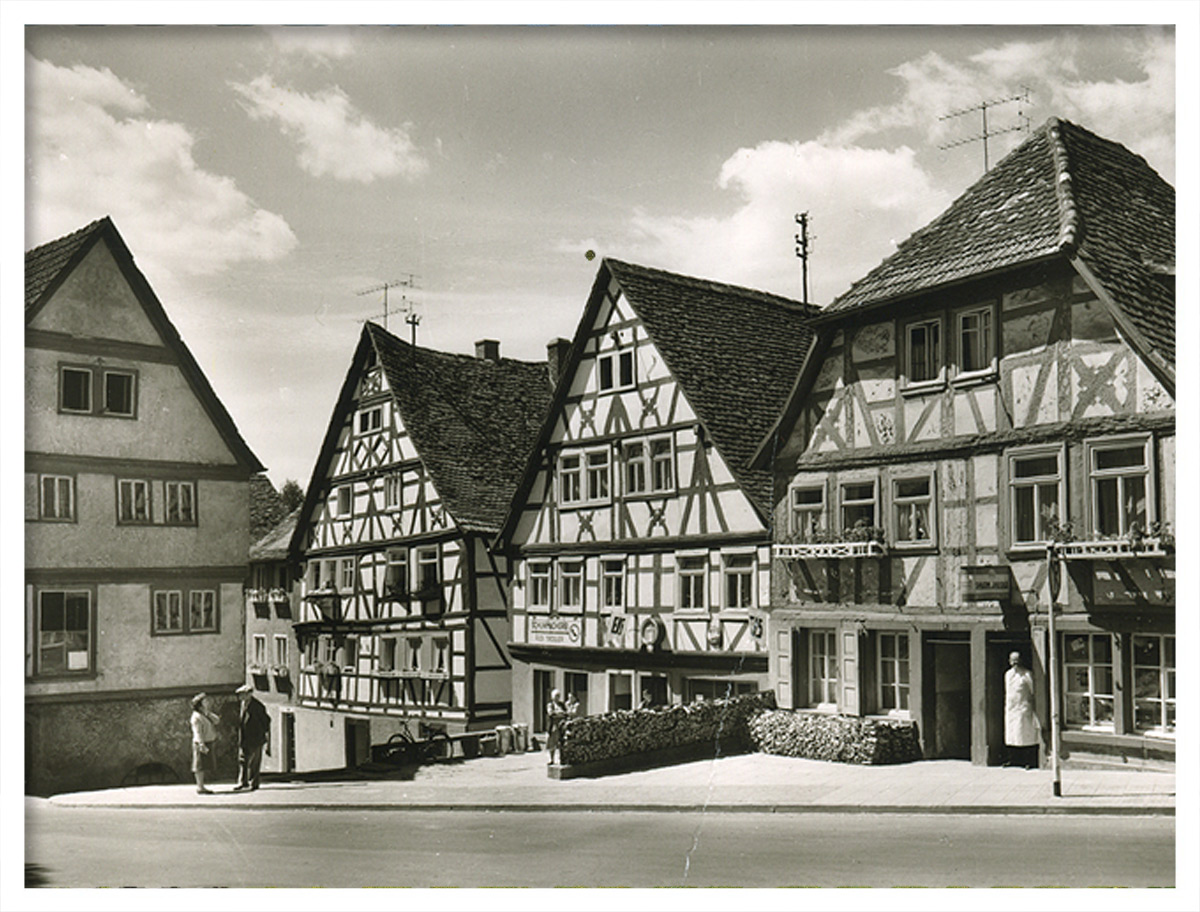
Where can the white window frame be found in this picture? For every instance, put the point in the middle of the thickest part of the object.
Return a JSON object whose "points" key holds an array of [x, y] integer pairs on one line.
{"points": [[1036, 483], [1092, 448], [637, 467], [281, 650], [258, 651], [389, 648], [347, 573], [91, 392], [196, 602], [439, 660], [612, 583], [662, 459], [126, 494], [987, 328], [397, 590], [900, 502], [570, 478], [938, 357], [413, 648], [845, 502], [350, 653], [162, 620], [1165, 672], [540, 585], [687, 573], [429, 556], [736, 572], [60, 505], [343, 500], [597, 475], [572, 581], [898, 691], [616, 361], [1091, 693], [370, 421], [823, 680], [89, 652], [176, 488], [393, 491], [802, 529]]}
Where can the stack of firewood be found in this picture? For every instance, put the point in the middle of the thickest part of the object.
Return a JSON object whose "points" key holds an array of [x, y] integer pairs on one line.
{"points": [[846, 739]]}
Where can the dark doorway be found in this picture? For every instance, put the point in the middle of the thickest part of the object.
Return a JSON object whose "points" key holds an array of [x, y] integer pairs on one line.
{"points": [[999, 645], [358, 742], [656, 685], [948, 696]]}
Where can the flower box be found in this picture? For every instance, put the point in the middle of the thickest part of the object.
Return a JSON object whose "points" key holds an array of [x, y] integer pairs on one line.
{"points": [[280, 671], [278, 595], [829, 550], [256, 669], [1115, 548], [256, 595]]}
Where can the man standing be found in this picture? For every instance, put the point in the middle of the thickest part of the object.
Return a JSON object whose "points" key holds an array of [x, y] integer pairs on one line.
{"points": [[1020, 722], [254, 731]]}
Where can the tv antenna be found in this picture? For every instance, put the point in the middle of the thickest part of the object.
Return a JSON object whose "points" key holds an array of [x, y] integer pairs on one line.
{"points": [[803, 248], [985, 132], [409, 281]]}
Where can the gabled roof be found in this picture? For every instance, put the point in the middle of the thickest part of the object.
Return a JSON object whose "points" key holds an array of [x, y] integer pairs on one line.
{"points": [[266, 506], [48, 266], [1064, 192], [733, 351], [273, 544], [472, 422]]}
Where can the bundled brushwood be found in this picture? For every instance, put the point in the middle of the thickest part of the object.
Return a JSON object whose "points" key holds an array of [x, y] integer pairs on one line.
{"points": [[846, 739], [627, 732]]}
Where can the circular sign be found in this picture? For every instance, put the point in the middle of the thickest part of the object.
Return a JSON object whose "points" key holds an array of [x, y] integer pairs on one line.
{"points": [[650, 631], [714, 632]]}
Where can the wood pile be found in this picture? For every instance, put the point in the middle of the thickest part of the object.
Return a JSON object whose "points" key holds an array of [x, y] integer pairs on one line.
{"points": [[845, 739]]}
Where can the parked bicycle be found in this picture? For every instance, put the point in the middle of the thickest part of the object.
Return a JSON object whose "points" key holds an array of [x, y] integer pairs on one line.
{"points": [[431, 745]]}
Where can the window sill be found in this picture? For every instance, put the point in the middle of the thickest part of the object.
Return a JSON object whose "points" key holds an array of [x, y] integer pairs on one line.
{"points": [[913, 390], [975, 378], [583, 505], [913, 548], [56, 520], [649, 495]]}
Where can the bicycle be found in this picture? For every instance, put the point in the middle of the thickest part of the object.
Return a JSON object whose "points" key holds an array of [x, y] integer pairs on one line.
{"points": [[433, 745]]}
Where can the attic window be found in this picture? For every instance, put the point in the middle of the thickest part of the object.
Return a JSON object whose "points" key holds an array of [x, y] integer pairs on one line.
{"points": [[370, 421], [616, 370]]}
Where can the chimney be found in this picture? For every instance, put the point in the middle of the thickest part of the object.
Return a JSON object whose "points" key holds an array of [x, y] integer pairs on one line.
{"points": [[556, 354], [487, 350]]}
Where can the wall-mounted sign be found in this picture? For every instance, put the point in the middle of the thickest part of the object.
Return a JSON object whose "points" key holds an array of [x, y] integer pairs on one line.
{"points": [[555, 631], [1131, 583], [986, 583], [614, 630]]}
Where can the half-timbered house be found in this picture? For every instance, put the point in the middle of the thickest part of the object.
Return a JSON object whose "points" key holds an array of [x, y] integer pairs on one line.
{"points": [[404, 614], [136, 525], [1002, 383], [639, 538]]}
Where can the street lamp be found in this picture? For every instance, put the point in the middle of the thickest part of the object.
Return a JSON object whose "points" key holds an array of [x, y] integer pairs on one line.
{"points": [[1054, 580]]}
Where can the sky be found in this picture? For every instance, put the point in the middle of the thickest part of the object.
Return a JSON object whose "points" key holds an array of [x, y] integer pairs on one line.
{"points": [[266, 179]]}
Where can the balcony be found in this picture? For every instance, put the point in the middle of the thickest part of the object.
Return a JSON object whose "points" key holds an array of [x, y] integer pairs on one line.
{"points": [[1116, 549], [835, 550]]}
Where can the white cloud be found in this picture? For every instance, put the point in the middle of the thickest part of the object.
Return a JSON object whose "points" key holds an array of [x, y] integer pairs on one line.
{"points": [[320, 43], [861, 201], [92, 149], [334, 137]]}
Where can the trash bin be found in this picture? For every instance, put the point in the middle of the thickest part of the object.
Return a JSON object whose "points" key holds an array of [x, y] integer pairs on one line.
{"points": [[520, 737], [504, 739]]}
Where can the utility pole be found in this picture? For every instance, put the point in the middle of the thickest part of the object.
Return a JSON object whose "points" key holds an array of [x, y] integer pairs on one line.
{"points": [[985, 132], [803, 246], [408, 282]]}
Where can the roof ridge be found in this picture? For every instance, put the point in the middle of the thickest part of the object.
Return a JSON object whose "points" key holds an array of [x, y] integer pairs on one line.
{"points": [[465, 356], [1070, 225], [77, 233], [768, 297]]}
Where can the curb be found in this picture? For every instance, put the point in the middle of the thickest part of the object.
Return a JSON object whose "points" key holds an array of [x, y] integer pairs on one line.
{"points": [[892, 809]]}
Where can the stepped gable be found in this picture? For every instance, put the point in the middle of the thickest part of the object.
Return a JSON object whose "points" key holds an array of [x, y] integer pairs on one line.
{"points": [[1063, 191], [473, 422], [734, 351]]}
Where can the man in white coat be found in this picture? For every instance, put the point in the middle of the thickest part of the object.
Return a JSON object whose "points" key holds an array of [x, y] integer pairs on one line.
{"points": [[1020, 722]]}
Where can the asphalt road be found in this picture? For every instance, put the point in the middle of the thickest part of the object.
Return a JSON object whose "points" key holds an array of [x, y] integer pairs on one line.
{"points": [[99, 847]]}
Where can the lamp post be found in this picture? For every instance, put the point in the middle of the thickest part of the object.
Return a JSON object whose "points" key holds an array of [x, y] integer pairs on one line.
{"points": [[1054, 580]]}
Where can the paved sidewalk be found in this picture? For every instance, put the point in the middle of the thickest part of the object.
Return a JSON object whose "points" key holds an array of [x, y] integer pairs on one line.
{"points": [[741, 783]]}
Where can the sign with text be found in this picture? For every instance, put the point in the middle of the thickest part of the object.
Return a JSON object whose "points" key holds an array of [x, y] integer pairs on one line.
{"points": [[986, 584], [555, 631]]}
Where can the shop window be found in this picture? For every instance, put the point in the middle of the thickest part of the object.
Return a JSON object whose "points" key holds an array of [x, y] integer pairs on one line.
{"points": [[823, 676], [1088, 672], [893, 672], [739, 580], [808, 513], [56, 497], [912, 506], [1154, 683], [693, 572], [65, 632], [575, 683], [1120, 487], [1036, 490], [620, 691]]}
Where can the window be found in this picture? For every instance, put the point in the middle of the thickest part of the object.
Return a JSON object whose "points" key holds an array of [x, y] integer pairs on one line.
{"points": [[412, 654], [1120, 473], [635, 468], [624, 370], [539, 584], [1154, 683], [570, 474], [259, 655], [661, 465], [571, 585], [169, 615], [181, 503], [893, 672], [620, 691], [612, 580], [133, 501], [808, 513], [393, 491], [823, 677], [924, 351], [395, 579], [693, 570], [429, 575], [370, 420], [387, 654], [858, 505], [976, 349], [1035, 480], [912, 504], [75, 390], [739, 580], [343, 500], [56, 497], [597, 475], [575, 683], [118, 393], [441, 656], [1087, 668], [64, 632], [347, 571], [281, 649], [350, 653]]}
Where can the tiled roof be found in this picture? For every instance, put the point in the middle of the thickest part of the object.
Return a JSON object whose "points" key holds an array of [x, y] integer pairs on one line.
{"points": [[1063, 191], [43, 264], [266, 506], [273, 544], [473, 422], [734, 351]]}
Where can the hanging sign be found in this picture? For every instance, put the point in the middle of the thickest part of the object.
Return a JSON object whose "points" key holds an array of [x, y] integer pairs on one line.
{"points": [[986, 583]]}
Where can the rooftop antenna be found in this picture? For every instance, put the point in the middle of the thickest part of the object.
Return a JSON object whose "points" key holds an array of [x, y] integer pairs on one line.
{"points": [[985, 133], [803, 248], [408, 282]]}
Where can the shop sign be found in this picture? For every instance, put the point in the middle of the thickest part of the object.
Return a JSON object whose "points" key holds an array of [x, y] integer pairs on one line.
{"points": [[554, 631], [988, 583]]}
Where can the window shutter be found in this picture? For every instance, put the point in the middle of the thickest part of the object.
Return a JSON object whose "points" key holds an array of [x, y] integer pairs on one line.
{"points": [[848, 673]]}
